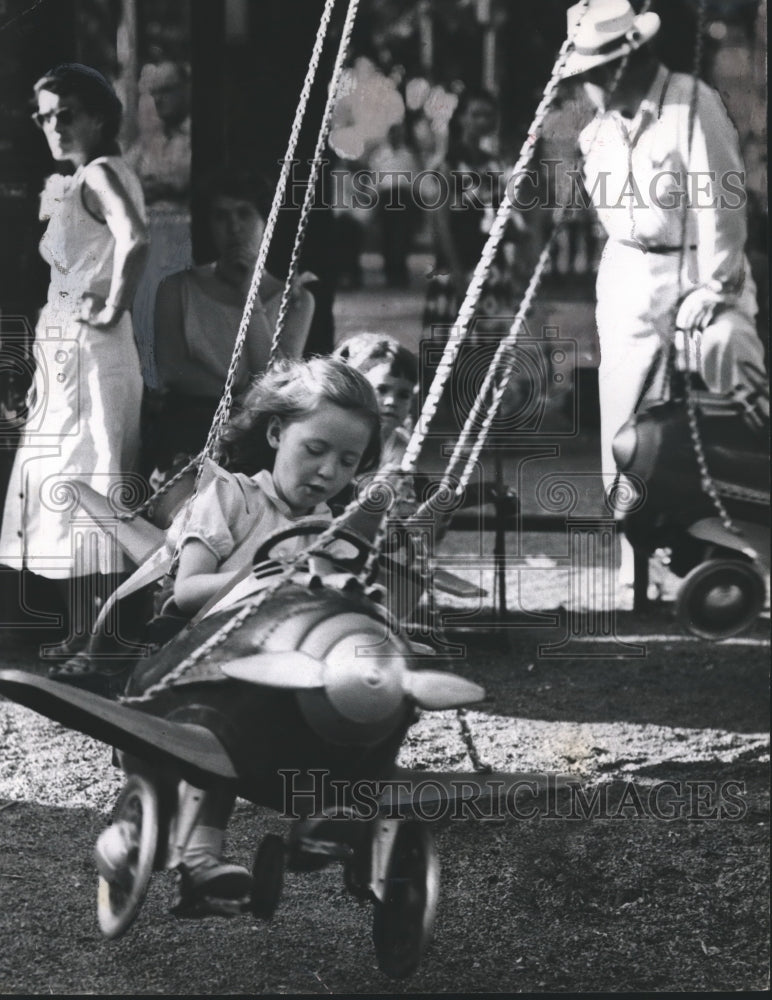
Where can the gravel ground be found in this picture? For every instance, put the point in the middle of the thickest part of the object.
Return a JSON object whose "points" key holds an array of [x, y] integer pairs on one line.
{"points": [[625, 901]]}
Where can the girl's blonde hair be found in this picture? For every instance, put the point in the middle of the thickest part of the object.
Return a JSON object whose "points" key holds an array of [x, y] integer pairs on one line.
{"points": [[291, 390]]}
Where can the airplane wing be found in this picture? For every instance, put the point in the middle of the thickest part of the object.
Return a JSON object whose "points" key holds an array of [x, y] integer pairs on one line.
{"points": [[194, 750], [444, 580], [450, 583], [414, 794]]}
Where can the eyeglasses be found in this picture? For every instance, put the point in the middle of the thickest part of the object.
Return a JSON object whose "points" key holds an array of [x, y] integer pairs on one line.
{"points": [[62, 116]]}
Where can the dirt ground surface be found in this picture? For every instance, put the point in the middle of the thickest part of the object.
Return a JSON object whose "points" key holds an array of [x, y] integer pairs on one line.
{"points": [[663, 886]]}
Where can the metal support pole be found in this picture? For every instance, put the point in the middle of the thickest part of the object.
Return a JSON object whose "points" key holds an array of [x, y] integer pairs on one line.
{"points": [[500, 536]]}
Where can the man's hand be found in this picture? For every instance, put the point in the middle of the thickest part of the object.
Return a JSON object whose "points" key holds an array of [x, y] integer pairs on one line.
{"points": [[97, 313], [697, 309], [299, 282]]}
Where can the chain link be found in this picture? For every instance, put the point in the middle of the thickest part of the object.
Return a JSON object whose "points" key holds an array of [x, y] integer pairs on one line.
{"points": [[224, 406], [130, 515], [499, 372], [226, 400], [308, 200], [252, 605], [471, 747], [460, 328], [706, 480]]}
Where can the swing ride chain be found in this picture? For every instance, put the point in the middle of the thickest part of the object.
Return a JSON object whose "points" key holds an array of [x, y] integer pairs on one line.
{"points": [[224, 406], [447, 486], [392, 499], [308, 200], [130, 515], [706, 480], [498, 374], [252, 606], [431, 403], [468, 737], [460, 328]]}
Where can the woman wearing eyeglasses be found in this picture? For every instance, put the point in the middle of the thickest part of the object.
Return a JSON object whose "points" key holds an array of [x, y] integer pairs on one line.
{"points": [[84, 405]]}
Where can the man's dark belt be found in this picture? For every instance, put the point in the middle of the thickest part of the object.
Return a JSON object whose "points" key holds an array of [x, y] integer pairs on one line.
{"points": [[655, 248], [661, 248]]}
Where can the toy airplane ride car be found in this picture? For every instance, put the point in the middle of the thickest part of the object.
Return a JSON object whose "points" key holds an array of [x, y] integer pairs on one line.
{"points": [[308, 678], [721, 549]]}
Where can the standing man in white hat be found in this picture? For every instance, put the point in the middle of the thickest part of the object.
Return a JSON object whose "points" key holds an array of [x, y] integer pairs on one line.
{"points": [[673, 206]]}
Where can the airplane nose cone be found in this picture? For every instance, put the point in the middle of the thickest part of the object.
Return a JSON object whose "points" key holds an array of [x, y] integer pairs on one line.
{"points": [[361, 683], [361, 700]]}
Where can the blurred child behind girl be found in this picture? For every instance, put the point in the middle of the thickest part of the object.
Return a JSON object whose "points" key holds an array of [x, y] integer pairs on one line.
{"points": [[392, 371]]}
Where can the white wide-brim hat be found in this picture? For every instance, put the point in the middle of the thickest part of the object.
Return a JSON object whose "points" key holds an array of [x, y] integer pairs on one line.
{"points": [[608, 30]]}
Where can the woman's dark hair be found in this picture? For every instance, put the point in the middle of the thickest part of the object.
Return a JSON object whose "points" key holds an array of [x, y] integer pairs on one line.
{"points": [[95, 94], [242, 184], [292, 390], [467, 97]]}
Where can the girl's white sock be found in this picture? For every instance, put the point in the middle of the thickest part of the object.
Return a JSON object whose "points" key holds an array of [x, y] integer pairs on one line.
{"points": [[205, 841]]}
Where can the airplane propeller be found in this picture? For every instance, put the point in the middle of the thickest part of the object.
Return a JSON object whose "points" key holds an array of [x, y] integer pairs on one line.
{"points": [[430, 689], [295, 670], [437, 690]]}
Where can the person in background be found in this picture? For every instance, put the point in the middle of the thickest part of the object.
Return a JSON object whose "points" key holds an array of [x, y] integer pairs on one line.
{"points": [[84, 404], [392, 371], [198, 314], [162, 162], [665, 268], [466, 203], [349, 219], [395, 168]]}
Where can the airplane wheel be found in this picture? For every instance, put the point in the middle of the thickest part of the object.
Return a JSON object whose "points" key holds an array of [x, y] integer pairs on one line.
{"points": [[720, 598], [403, 922], [118, 903], [267, 877]]}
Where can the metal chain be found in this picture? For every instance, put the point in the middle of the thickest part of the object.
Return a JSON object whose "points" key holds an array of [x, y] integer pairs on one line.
{"points": [[224, 405], [368, 572], [215, 641], [706, 480], [305, 212], [471, 748], [252, 605], [130, 515], [430, 405], [460, 328], [226, 400], [499, 372]]}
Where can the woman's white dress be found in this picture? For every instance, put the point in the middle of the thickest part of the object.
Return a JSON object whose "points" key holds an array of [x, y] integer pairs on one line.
{"points": [[84, 404]]}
